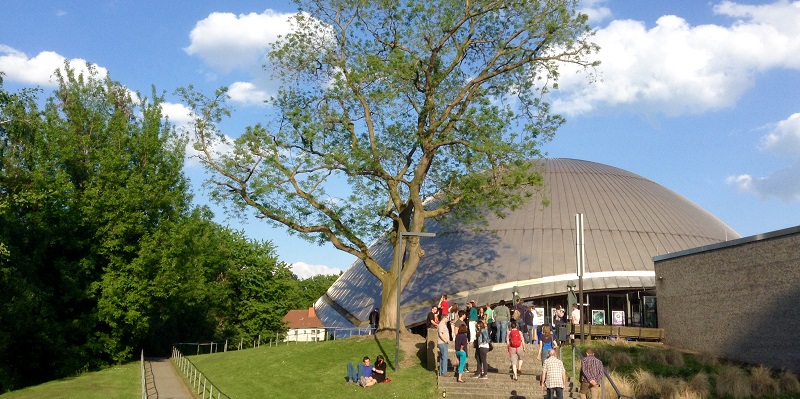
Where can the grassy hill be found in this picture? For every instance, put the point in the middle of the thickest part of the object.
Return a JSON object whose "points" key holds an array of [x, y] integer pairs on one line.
{"points": [[312, 370], [318, 370], [119, 382]]}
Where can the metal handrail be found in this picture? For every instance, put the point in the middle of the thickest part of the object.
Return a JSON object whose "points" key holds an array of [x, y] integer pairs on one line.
{"points": [[144, 382], [605, 373], [198, 382]]}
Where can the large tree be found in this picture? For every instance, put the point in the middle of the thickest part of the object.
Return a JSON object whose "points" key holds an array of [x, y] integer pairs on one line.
{"points": [[391, 113]]}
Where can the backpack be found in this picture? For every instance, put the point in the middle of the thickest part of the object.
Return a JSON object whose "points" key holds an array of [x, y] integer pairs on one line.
{"points": [[516, 315], [547, 344], [516, 339]]}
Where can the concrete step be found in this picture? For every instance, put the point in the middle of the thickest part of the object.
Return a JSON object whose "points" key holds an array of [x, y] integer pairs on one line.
{"points": [[498, 385]]}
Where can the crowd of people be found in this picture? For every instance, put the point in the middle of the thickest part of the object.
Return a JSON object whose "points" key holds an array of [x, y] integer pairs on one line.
{"points": [[497, 319], [476, 328]]}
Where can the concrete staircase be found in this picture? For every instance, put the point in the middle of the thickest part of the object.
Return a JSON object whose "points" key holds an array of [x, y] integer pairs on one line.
{"points": [[499, 384]]}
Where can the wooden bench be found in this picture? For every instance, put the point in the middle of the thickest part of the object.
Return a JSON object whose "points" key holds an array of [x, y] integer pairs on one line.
{"points": [[637, 333]]}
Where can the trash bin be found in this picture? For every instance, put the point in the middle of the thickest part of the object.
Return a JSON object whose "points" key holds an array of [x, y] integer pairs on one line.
{"points": [[562, 332]]}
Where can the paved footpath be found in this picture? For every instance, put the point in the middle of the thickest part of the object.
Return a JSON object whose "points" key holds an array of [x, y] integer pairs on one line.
{"points": [[165, 383]]}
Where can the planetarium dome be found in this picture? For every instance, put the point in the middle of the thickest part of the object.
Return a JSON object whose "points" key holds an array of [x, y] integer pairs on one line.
{"points": [[628, 220]]}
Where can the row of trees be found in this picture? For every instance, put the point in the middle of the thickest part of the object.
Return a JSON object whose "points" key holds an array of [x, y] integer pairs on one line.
{"points": [[102, 252]]}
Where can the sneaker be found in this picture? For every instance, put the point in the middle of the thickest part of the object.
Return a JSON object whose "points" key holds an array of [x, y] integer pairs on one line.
{"points": [[484, 376], [476, 375]]}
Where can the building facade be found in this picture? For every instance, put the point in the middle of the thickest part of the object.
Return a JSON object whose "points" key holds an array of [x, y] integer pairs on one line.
{"points": [[304, 326], [737, 300]]}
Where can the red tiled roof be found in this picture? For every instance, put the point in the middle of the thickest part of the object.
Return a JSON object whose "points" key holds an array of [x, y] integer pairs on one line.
{"points": [[303, 318]]}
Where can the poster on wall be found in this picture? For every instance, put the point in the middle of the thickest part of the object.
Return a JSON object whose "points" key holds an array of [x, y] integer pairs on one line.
{"points": [[538, 316], [599, 317], [618, 317]]}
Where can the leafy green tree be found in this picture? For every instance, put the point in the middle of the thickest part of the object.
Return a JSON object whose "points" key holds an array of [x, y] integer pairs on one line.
{"points": [[402, 102], [102, 252], [84, 179], [312, 288]]}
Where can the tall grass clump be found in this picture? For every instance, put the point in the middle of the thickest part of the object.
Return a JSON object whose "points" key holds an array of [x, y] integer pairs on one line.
{"points": [[732, 381], [646, 384], [674, 358], [707, 359], [670, 387], [654, 357], [788, 383], [617, 359], [623, 383], [761, 381], [701, 383]]}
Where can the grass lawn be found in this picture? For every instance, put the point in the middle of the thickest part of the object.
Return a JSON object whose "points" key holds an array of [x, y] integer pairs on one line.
{"points": [[312, 370], [119, 382]]}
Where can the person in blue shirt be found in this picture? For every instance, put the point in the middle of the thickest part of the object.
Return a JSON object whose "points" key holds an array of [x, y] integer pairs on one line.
{"points": [[365, 373]]}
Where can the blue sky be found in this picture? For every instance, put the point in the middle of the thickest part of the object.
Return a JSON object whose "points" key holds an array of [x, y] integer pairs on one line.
{"points": [[701, 97]]}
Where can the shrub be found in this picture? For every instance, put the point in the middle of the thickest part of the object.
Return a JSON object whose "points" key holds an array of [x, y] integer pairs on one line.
{"points": [[788, 382], [761, 381], [732, 381]]}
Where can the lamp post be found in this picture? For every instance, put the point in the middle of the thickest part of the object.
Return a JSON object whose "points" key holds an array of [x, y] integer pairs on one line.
{"points": [[399, 249], [580, 255]]}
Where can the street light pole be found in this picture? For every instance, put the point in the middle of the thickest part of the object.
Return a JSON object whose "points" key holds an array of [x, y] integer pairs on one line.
{"points": [[400, 256], [580, 254]]}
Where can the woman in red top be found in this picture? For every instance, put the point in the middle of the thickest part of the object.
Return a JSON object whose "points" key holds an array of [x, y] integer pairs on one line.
{"points": [[444, 307]]}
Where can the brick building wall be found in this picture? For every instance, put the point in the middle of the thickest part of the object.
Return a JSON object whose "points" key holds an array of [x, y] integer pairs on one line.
{"points": [[739, 300]]}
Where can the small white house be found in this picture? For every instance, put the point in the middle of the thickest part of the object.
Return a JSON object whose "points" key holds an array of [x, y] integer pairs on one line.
{"points": [[304, 326]]}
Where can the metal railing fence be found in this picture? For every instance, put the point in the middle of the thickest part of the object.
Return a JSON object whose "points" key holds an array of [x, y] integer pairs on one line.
{"points": [[270, 339], [144, 381], [198, 382]]}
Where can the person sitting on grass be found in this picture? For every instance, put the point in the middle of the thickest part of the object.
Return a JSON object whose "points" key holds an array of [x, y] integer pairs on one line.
{"points": [[379, 371], [365, 373]]}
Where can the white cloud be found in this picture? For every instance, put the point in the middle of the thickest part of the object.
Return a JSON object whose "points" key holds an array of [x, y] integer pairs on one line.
{"points": [[675, 68], [595, 10], [177, 113], [784, 139], [39, 70], [304, 270], [227, 41], [247, 93], [784, 184]]}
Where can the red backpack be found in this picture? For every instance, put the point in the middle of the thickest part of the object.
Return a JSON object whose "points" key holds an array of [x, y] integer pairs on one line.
{"points": [[516, 339]]}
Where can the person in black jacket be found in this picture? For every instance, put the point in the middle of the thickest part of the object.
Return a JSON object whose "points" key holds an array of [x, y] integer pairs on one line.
{"points": [[374, 318]]}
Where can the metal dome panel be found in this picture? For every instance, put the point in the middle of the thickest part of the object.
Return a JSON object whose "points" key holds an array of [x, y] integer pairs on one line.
{"points": [[627, 220]]}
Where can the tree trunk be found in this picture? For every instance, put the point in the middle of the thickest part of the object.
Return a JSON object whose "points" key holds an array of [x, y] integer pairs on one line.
{"points": [[389, 306]]}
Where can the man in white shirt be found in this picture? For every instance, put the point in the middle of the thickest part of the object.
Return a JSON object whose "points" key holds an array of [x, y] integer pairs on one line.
{"points": [[443, 335]]}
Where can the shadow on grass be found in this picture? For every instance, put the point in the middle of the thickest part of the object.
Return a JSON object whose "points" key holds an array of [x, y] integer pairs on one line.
{"points": [[388, 353], [389, 359]]}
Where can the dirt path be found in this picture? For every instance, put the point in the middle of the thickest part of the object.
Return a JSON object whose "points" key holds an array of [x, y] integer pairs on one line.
{"points": [[163, 381]]}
